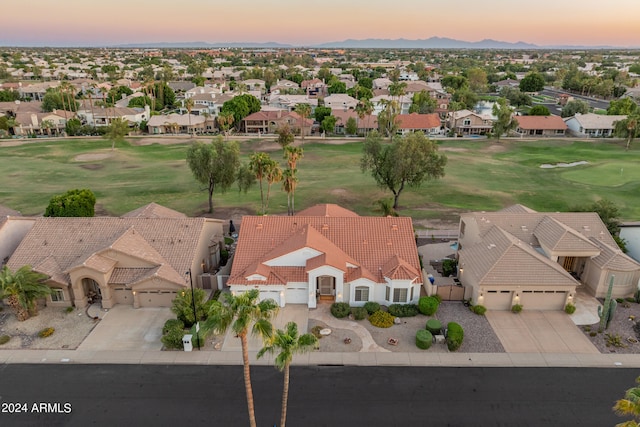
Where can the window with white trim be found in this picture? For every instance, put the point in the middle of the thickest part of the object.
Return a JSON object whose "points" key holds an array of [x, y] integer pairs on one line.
{"points": [[362, 293], [57, 294], [400, 295], [386, 297]]}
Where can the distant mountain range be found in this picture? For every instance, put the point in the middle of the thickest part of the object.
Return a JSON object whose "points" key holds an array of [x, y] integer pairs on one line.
{"points": [[430, 43]]}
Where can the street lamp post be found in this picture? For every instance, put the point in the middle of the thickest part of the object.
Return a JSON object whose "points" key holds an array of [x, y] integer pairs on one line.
{"points": [[195, 315]]}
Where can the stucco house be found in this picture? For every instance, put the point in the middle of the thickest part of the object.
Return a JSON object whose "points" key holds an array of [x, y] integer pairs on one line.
{"points": [[138, 259], [267, 121], [178, 123], [540, 126], [340, 101], [592, 125], [429, 124], [327, 253], [465, 122], [539, 259]]}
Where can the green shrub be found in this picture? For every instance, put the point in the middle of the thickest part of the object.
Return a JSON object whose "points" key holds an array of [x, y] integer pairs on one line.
{"points": [[619, 300], [449, 267], [316, 331], [516, 308], [593, 333], [455, 335], [434, 326], [359, 313], [46, 332], [381, 319], [479, 309], [569, 308], [340, 309], [428, 305], [182, 306], [424, 339], [173, 338], [172, 324], [630, 299], [4, 339], [438, 297], [371, 307], [403, 310], [69, 309]]}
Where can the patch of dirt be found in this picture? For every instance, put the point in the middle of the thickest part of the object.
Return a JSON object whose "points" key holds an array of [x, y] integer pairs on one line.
{"points": [[89, 157], [92, 166], [453, 149], [621, 325], [495, 148]]}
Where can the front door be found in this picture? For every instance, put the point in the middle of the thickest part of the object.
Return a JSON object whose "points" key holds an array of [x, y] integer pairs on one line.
{"points": [[327, 288], [92, 290]]}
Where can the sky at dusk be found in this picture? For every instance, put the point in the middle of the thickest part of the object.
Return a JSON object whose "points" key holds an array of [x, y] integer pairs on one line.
{"points": [[301, 23]]}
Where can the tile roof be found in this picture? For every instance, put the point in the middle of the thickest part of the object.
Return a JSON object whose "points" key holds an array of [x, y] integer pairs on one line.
{"points": [[541, 122], [55, 246], [153, 210], [418, 121], [325, 235], [596, 121], [613, 258], [502, 259], [556, 236]]}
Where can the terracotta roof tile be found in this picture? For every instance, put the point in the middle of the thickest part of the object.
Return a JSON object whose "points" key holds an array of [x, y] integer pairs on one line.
{"points": [[541, 122], [418, 121]]}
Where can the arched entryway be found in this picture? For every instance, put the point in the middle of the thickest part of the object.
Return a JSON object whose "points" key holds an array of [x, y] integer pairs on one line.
{"points": [[91, 290]]}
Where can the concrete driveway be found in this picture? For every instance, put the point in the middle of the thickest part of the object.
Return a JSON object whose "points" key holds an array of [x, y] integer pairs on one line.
{"points": [[126, 328], [539, 332]]}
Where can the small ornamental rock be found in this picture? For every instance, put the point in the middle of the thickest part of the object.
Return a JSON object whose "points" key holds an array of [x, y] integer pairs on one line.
{"points": [[324, 332], [397, 321]]}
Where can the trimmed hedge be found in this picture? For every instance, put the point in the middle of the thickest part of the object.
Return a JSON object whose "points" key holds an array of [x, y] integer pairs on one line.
{"points": [[172, 324], [359, 313], [479, 309], [434, 326], [340, 309], [569, 308], [173, 338], [428, 305], [455, 335], [516, 308], [371, 307], [4, 339], [46, 332], [424, 339], [404, 310], [381, 319]]}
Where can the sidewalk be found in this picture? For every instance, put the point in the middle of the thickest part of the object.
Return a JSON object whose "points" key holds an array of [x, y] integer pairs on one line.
{"points": [[324, 358]]}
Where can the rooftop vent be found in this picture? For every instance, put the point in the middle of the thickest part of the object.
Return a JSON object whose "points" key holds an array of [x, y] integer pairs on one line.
{"points": [[491, 246], [259, 226], [325, 226], [394, 227]]}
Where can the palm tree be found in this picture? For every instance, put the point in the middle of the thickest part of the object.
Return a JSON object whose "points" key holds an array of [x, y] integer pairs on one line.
{"points": [[303, 110], [630, 405], [273, 174], [261, 165], [289, 343], [21, 289], [238, 312], [47, 124], [225, 120], [188, 103], [364, 108], [290, 178]]}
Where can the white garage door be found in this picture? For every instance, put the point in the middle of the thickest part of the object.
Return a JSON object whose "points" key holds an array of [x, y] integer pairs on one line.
{"points": [[122, 296], [275, 295], [297, 296], [497, 300], [543, 300], [156, 298]]}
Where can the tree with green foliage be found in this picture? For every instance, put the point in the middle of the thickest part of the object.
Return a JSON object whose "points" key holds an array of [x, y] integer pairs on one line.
{"points": [[245, 178], [73, 203], [539, 110], [454, 83], [285, 135], [360, 92], [408, 161], [22, 289], [388, 118], [364, 108], [328, 125], [214, 165], [182, 306], [116, 131], [423, 103], [240, 107], [622, 107], [477, 79], [515, 96], [351, 127], [337, 86], [288, 342], [304, 111], [239, 313], [532, 82], [73, 127], [321, 112], [628, 128], [225, 121], [52, 100], [574, 107], [505, 121], [466, 97], [629, 406], [610, 215]]}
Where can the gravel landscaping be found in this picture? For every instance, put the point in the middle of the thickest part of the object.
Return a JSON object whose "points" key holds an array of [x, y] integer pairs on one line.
{"points": [[625, 317]]}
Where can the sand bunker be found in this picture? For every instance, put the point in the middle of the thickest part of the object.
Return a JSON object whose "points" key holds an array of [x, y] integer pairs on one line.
{"points": [[89, 157], [563, 165]]}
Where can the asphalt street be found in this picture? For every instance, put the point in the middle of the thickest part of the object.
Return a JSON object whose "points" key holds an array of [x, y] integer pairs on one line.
{"points": [[188, 395]]}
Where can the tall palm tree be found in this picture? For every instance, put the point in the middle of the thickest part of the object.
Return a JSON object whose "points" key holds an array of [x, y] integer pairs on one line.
{"points": [[225, 120], [273, 175], [239, 312], [365, 108], [188, 104], [630, 405], [304, 111], [261, 164], [289, 343], [21, 289], [290, 179]]}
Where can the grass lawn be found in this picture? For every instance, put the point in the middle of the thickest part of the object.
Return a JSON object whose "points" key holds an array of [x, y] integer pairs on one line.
{"points": [[480, 175]]}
